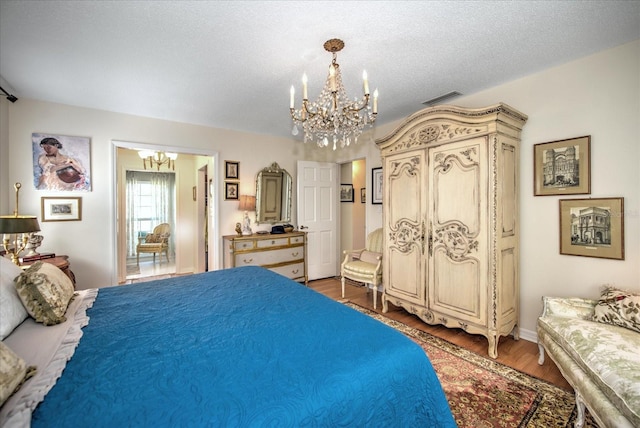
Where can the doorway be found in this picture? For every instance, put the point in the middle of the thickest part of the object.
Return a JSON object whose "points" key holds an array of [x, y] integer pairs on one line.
{"points": [[353, 218], [195, 234]]}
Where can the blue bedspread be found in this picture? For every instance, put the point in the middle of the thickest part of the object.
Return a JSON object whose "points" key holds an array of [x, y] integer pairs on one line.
{"points": [[240, 347]]}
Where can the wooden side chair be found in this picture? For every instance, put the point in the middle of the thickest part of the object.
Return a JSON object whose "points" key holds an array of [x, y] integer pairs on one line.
{"points": [[365, 265], [156, 242]]}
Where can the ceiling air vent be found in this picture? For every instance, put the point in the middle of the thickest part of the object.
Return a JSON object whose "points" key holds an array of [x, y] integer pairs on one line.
{"points": [[440, 100]]}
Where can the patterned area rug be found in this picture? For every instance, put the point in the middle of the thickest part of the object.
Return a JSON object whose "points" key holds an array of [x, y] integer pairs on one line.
{"points": [[483, 393]]}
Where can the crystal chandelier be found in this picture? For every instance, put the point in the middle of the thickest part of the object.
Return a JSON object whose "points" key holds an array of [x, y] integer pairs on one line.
{"points": [[333, 117], [158, 159]]}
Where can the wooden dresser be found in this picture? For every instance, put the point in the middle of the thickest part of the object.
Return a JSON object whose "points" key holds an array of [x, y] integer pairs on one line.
{"points": [[284, 253]]}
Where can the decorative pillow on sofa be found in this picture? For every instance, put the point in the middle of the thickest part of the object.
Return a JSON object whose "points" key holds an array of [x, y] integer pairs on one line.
{"points": [[46, 292], [11, 308], [618, 307], [13, 372]]}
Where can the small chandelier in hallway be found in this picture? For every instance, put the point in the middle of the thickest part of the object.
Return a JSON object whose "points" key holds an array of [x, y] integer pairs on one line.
{"points": [[158, 159]]}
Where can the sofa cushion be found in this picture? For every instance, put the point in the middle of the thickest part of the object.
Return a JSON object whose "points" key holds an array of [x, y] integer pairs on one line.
{"points": [[618, 307], [359, 270], [609, 354]]}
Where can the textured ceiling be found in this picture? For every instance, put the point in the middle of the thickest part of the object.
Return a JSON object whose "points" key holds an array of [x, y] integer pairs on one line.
{"points": [[230, 64]]}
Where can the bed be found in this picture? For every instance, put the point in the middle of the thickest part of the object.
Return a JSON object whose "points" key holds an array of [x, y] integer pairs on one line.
{"points": [[236, 347]]}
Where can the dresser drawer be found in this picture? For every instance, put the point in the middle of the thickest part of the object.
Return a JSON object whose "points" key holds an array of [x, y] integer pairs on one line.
{"points": [[283, 253], [295, 271], [261, 258], [297, 240], [243, 245], [273, 242]]}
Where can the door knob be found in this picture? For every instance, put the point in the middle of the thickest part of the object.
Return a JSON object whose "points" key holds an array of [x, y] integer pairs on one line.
{"points": [[303, 227]]}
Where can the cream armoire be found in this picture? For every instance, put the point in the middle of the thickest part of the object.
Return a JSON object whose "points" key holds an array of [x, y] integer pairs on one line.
{"points": [[450, 218]]}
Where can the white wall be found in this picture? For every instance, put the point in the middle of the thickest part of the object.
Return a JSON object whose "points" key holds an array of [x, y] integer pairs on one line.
{"points": [[89, 243], [598, 96]]}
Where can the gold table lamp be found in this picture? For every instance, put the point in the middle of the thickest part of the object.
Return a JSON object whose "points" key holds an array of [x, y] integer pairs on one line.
{"points": [[11, 226]]}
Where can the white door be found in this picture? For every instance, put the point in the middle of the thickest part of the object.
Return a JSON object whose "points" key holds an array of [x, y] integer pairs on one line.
{"points": [[318, 216]]}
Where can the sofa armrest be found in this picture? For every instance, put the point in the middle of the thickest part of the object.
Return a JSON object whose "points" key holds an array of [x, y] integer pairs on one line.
{"points": [[569, 307]]}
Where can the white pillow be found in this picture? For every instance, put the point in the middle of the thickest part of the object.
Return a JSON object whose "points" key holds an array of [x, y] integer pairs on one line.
{"points": [[11, 307]]}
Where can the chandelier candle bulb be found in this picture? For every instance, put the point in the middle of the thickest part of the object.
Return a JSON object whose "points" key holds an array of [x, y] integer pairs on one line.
{"points": [[366, 82], [292, 91], [304, 87], [375, 101]]}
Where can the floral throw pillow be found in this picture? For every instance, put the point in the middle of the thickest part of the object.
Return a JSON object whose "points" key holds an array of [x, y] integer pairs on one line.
{"points": [[45, 292], [152, 239], [618, 307], [13, 372]]}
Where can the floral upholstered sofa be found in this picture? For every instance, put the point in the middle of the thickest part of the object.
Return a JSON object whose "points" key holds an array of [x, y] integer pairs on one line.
{"points": [[596, 346]]}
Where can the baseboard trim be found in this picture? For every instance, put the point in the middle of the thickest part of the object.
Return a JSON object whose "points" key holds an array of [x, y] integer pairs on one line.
{"points": [[529, 335]]}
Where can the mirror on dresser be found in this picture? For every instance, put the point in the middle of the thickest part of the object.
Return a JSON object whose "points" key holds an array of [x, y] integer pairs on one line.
{"points": [[273, 195]]}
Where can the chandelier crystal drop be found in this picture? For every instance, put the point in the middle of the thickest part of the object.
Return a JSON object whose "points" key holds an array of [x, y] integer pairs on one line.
{"points": [[333, 118]]}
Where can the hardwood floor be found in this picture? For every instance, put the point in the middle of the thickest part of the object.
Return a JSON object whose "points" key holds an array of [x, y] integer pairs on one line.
{"points": [[519, 354]]}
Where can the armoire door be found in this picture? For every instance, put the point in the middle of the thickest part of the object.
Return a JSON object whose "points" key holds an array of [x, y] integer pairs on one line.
{"points": [[457, 241], [404, 209]]}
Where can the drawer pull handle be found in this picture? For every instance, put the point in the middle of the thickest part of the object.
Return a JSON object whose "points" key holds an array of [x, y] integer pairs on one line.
{"points": [[247, 261], [295, 254], [273, 242], [295, 271]]}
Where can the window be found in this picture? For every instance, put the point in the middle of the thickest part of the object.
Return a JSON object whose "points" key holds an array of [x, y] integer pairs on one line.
{"points": [[150, 201]]}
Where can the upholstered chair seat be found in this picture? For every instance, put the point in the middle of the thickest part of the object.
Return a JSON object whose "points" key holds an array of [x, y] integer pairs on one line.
{"points": [[156, 242], [365, 265]]}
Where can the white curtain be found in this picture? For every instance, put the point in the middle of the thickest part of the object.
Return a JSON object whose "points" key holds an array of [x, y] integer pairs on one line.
{"points": [[150, 201]]}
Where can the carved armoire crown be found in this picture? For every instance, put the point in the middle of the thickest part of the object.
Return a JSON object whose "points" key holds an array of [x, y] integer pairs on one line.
{"points": [[450, 216]]}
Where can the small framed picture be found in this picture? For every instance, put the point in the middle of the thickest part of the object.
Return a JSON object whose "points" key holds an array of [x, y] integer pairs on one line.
{"points": [[376, 185], [346, 193], [562, 167], [61, 208], [231, 170], [363, 195], [231, 190], [592, 227]]}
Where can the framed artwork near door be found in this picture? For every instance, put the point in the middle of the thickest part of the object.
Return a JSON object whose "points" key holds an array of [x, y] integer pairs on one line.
{"points": [[592, 227], [346, 193], [376, 185], [231, 190], [231, 170], [56, 208]]}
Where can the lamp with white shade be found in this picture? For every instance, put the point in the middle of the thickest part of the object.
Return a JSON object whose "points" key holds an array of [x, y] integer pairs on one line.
{"points": [[247, 203]]}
